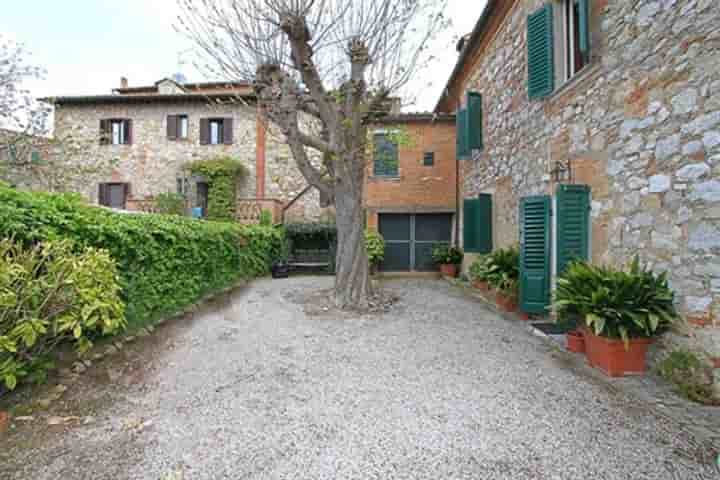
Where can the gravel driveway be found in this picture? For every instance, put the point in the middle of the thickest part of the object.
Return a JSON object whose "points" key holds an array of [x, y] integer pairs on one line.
{"points": [[438, 388]]}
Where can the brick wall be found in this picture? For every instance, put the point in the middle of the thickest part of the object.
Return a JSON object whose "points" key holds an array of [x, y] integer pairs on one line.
{"points": [[640, 125], [417, 188]]}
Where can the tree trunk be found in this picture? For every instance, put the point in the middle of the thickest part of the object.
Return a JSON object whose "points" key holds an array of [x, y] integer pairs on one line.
{"points": [[352, 279]]}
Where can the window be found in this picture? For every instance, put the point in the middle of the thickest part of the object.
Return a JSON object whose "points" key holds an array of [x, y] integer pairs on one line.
{"points": [[469, 126], [115, 132], [177, 127], [113, 195], [429, 159], [558, 37], [477, 224], [216, 131], [574, 56], [385, 161]]}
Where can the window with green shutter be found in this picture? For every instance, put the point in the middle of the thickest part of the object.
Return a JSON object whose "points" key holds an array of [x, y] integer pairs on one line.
{"points": [[583, 7], [540, 53], [474, 121], [535, 253], [573, 224], [385, 153], [477, 224], [462, 150]]}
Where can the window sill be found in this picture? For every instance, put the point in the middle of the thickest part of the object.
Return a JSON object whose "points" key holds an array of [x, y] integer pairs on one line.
{"points": [[586, 73], [384, 178]]}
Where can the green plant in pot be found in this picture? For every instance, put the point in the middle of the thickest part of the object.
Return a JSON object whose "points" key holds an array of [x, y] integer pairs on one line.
{"points": [[448, 258], [375, 246], [479, 274], [503, 274], [622, 311]]}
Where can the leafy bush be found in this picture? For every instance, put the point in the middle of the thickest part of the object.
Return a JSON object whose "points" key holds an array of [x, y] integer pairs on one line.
{"points": [[615, 303], [170, 203], [222, 175], [503, 269], [266, 218], [165, 262], [479, 269], [447, 255], [375, 246], [691, 378], [49, 294]]}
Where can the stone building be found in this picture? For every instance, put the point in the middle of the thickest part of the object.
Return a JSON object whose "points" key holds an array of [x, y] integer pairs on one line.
{"points": [[621, 97], [143, 137]]}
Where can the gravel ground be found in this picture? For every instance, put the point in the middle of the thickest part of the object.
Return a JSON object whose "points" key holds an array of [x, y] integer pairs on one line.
{"points": [[251, 387]]}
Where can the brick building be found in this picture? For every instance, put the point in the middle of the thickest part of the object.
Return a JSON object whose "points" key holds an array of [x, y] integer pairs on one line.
{"points": [[148, 134], [619, 98]]}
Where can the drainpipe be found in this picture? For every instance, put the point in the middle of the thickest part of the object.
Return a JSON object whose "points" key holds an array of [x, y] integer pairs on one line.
{"points": [[261, 130]]}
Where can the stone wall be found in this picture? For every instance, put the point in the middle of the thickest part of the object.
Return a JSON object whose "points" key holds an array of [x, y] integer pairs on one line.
{"points": [[640, 125]]}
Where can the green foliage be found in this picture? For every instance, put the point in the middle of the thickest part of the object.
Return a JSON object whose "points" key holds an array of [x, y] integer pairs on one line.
{"points": [[266, 218], [50, 294], [375, 246], [479, 269], [447, 255], [503, 269], [325, 231], [691, 378], [616, 303], [165, 262], [170, 203], [222, 175]]}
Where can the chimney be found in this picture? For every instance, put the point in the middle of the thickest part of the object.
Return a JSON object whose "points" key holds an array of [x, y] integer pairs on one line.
{"points": [[123, 82]]}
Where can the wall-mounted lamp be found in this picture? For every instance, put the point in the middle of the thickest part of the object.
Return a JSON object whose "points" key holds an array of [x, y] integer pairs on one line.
{"points": [[561, 171]]}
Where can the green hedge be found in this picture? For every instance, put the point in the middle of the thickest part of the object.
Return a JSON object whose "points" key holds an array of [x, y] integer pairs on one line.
{"points": [[165, 262]]}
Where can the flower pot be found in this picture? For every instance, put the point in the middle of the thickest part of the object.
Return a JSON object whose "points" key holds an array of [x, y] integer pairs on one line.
{"points": [[610, 355], [524, 316], [449, 270], [505, 303], [575, 341], [481, 285]]}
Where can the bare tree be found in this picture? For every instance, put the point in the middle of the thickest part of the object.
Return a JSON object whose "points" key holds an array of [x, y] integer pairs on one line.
{"points": [[332, 64]]}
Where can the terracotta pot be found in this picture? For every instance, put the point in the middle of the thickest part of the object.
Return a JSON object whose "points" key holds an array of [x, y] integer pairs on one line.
{"points": [[575, 341], [525, 317], [449, 270], [610, 355], [505, 302], [480, 285]]}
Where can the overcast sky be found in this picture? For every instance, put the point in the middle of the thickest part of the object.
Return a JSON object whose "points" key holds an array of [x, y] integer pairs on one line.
{"points": [[87, 45]]}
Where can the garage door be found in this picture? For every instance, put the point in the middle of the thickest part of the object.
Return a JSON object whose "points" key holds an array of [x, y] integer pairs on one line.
{"points": [[409, 240]]}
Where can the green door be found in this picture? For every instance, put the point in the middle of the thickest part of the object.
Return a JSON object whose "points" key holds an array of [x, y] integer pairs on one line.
{"points": [[573, 225], [535, 253]]}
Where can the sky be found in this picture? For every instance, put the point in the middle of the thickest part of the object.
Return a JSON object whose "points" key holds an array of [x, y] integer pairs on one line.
{"points": [[87, 45]]}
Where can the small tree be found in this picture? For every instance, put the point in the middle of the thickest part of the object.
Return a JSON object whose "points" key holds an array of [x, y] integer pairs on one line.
{"points": [[323, 69]]}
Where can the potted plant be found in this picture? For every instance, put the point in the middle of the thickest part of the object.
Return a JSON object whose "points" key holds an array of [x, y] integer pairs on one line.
{"points": [[375, 246], [449, 258], [622, 311], [478, 273], [503, 274]]}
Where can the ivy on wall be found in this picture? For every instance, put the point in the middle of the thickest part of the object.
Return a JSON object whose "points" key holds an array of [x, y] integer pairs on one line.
{"points": [[222, 175]]}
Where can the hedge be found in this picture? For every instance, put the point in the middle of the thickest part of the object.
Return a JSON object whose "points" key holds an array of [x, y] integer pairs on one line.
{"points": [[165, 262]]}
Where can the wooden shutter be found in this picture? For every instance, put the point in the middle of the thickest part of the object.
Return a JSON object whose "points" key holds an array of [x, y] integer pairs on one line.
{"points": [[463, 152], [584, 8], [470, 225], [573, 224], [128, 140], [103, 194], [540, 55], [474, 121], [228, 131], [535, 254], [172, 127], [485, 223], [104, 139], [204, 131]]}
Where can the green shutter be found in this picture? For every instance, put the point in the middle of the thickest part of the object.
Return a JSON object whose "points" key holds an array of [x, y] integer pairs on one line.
{"points": [[474, 121], [584, 9], [573, 224], [541, 62], [485, 223], [461, 133], [470, 225], [535, 253]]}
